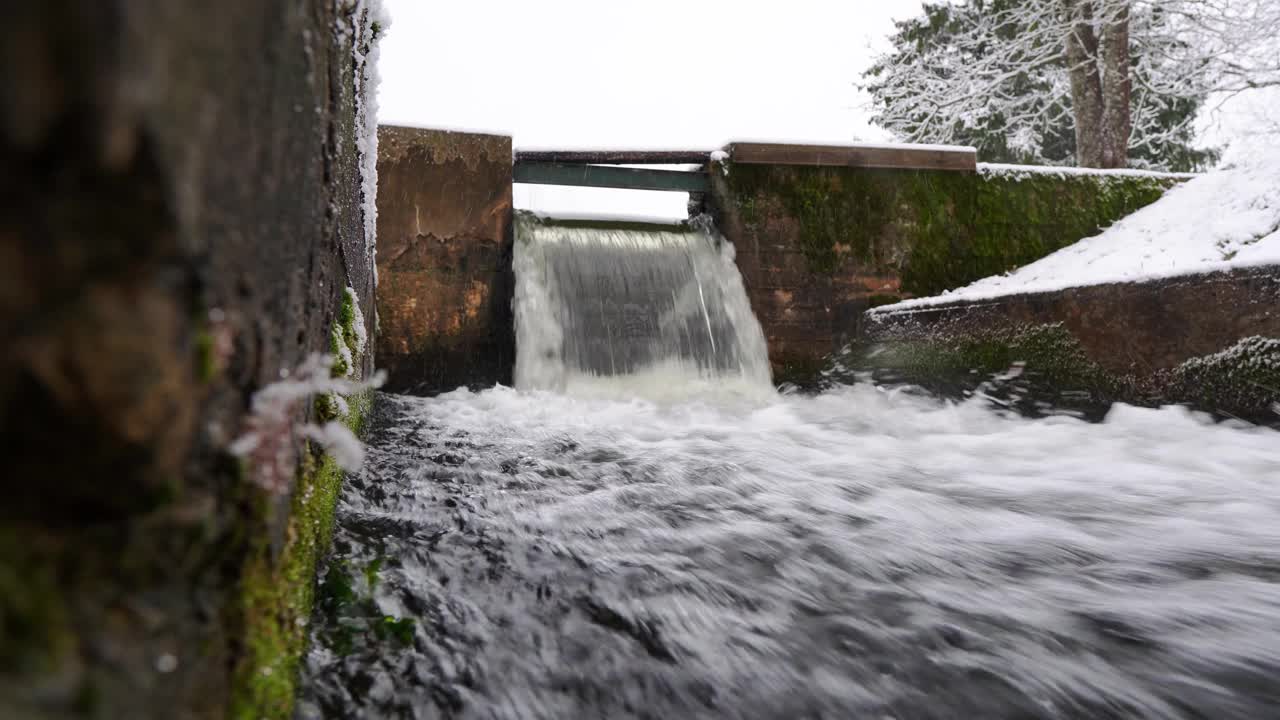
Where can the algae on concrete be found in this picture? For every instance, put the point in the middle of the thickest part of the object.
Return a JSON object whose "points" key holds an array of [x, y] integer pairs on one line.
{"points": [[1044, 367], [936, 230], [278, 593]]}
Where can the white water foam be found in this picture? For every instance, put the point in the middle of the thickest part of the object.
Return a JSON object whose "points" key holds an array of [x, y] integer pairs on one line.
{"points": [[859, 553]]}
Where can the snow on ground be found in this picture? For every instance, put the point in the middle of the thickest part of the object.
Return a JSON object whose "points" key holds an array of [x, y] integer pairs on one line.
{"points": [[1223, 219]]}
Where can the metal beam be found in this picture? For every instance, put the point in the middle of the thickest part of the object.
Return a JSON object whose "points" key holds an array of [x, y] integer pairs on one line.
{"points": [[616, 157], [605, 176]]}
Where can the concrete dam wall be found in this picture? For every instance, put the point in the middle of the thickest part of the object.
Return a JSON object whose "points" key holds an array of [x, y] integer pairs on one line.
{"points": [[822, 235]]}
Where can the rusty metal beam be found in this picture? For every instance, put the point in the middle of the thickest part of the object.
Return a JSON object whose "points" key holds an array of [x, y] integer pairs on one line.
{"points": [[607, 176]]}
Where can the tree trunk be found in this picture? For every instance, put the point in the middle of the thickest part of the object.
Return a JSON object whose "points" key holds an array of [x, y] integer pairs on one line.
{"points": [[1116, 84], [1086, 84]]}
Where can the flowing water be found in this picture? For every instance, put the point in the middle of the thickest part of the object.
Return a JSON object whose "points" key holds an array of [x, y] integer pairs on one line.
{"points": [[670, 538], [624, 308]]}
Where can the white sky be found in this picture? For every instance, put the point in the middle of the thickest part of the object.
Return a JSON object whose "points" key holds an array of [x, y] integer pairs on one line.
{"points": [[678, 74]]}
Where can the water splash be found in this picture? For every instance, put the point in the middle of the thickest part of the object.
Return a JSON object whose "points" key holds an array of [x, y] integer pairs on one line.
{"points": [[632, 310]]}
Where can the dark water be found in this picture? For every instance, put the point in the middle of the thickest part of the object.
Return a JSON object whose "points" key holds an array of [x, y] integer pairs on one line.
{"points": [[855, 554]]}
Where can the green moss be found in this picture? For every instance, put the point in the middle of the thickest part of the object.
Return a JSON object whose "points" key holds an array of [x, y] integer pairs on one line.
{"points": [[935, 230], [35, 632], [206, 363], [341, 366], [800, 372], [277, 593], [326, 408], [875, 301], [399, 629], [1241, 380], [344, 339], [1049, 353], [347, 322]]}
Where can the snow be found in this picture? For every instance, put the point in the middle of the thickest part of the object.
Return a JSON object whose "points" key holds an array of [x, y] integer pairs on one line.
{"points": [[964, 149], [362, 334], [1064, 171], [268, 441], [346, 448], [345, 358], [1224, 219], [367, 15]]}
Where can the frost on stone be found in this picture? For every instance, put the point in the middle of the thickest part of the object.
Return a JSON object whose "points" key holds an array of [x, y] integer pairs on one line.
{"points": [[369, 21], [339, 441], [354, 331], [1245, 375], [273, 431], [343, 363]]}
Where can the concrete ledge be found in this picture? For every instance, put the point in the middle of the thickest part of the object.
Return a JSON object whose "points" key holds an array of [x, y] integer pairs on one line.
{"points": [[1212, 341], [819, 245]]}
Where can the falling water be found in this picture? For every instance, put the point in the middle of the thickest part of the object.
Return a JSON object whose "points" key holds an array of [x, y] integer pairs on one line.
{"points": [[630, 309]]}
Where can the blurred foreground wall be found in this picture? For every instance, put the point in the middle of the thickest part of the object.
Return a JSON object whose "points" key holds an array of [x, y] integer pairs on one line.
{"points": [[181, 213]]}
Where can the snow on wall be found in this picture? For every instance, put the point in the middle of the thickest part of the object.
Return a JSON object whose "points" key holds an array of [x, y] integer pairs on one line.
{"points": [[370, 21], [1006, 170], [1224, 219]]}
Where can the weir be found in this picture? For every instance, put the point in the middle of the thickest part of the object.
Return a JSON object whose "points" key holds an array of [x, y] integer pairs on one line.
{"points": [[819, 235], [633, 303]]}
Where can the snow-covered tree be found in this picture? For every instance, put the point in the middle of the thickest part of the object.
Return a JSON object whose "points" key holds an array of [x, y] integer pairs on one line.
{"points": [[1106, 83]]}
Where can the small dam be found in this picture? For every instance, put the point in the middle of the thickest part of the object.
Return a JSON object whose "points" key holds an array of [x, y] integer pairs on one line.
{"points": [[631, 521], [305, 417]]}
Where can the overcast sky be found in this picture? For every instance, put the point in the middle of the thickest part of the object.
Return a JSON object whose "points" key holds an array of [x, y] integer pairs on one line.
{"points": [[681, 74]]}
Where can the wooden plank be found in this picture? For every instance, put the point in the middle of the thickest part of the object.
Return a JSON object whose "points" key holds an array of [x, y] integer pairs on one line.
{"points": [[606, 176], [616, 157], [865, 156]]}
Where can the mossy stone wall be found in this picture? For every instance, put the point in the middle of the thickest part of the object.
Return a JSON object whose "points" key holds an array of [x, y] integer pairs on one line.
{"points": [[180, 216], [1211, 341], [817, 246]]}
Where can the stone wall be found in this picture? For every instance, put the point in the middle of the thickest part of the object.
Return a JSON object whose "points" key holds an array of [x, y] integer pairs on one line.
{"points": [[820, 244], [1210, 340], [444, 259], [180, 215]]}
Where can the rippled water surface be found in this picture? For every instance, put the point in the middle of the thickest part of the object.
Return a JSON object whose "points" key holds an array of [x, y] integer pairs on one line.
{"points": [[855, 554]]}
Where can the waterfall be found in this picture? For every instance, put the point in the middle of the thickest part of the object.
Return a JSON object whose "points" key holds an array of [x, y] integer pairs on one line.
{"points": [[633, 307]]}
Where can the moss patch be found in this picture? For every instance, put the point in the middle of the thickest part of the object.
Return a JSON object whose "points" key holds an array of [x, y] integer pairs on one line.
{"points": [[935, 230], [277, 593], [35, 631], [1051, 369], [1048, 363], [1241, 380]]}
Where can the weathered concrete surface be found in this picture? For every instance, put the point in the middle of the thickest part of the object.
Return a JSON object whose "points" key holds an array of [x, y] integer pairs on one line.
{"points": [[180, 211], [444, 259], [1134, 342], [819, 245]]}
